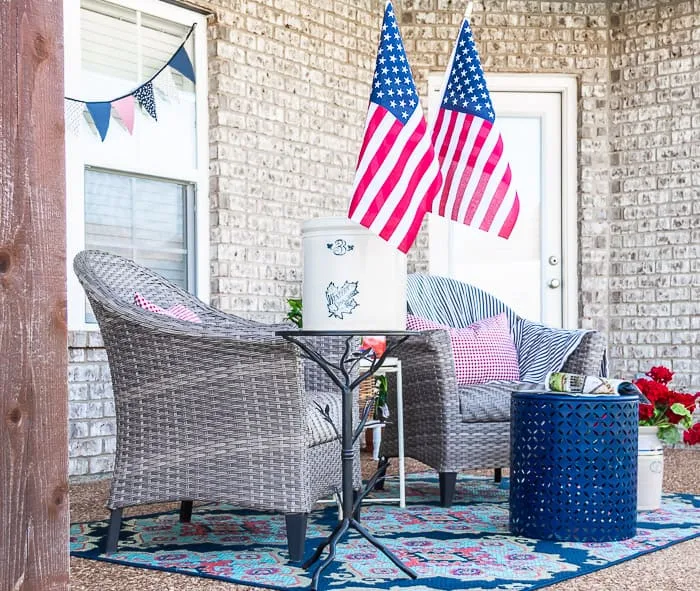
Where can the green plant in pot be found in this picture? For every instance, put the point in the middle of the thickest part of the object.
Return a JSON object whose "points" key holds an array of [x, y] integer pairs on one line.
{"points": [[381, 410], [294, 313]]}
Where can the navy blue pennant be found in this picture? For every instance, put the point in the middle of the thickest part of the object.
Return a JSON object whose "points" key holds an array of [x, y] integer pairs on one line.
{"points": [[144, 95], [181, 62], [100, 113]]}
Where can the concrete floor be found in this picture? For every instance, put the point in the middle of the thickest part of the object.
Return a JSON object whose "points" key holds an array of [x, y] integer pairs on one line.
{"points": [[673, 569]]}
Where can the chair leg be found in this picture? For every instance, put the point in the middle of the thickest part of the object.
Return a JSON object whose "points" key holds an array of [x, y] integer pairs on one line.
{"points": [[296, 535], [497, 475], [448, 480], [115, 523], [185, 511]]}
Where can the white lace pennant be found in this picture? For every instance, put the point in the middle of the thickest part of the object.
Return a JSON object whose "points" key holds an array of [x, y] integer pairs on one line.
{"points": [[73, 113], [166, 86]]}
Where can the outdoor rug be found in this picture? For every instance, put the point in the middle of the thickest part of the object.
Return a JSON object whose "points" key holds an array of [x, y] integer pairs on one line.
{"points": [[465, 547]]}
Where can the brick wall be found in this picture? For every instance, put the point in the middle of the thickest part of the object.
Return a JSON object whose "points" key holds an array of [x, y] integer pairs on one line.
{"points": [[289, 85], [92, 426], [655, 198]]}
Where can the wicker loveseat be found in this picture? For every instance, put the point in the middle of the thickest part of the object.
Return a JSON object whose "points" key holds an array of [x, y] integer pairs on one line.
{"points": [[220, 410], [451, 427]]}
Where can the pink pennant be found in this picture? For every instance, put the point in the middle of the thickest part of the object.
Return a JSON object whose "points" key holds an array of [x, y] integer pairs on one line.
{"points": [[125, 109]]}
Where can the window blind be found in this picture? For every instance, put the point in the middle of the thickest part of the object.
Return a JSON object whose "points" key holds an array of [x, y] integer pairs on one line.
{"points": [[128, 46], [140, 218]]}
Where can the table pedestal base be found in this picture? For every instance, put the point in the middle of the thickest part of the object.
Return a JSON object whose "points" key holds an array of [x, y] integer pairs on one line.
{"points": [[346, 524], [341, 374]]}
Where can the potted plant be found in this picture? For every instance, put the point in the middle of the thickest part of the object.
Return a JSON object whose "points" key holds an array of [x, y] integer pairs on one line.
{"points": [[294, 313], [379, 412], [668, 415]]}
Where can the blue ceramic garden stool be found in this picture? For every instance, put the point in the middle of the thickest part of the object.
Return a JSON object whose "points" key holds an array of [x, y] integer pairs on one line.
{"points": [[573, 467]]}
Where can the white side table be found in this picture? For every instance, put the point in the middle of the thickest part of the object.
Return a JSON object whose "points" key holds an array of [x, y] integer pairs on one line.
{"points": [[392, 365]]}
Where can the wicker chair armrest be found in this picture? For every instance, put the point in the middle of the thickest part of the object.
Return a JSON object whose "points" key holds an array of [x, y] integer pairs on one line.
{"points": [[589, 357], [429, 381]]}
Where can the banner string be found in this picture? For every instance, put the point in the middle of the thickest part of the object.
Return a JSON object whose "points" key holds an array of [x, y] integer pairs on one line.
{"points": [[165, 65]]}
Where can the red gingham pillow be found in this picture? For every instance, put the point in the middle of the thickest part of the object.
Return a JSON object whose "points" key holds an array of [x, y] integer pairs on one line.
{"points": [[483, 351], [178, 311]]}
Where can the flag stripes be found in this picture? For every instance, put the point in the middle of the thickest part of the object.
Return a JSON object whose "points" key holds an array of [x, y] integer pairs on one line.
{"points": [[397, 171], [478, 189], [397, 176]]}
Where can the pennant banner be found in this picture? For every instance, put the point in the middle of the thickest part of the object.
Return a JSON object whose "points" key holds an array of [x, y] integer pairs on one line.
{"points": [[125, 109], [181, 62], [100, 115], [144, 95], [73, 116], [100, 111]]}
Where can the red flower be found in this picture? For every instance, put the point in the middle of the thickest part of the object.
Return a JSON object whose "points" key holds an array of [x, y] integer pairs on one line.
{"points": [[687, 400], [656, 387], [692, 435], [660, 374], [377, 344], [656, 392], [646, 411]]}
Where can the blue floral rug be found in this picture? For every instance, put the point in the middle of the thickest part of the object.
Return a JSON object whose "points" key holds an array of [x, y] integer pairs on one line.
{"points": [[465, 547]]}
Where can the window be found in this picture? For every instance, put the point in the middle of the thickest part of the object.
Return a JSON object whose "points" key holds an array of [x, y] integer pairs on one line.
{"points": [[142, 194]]}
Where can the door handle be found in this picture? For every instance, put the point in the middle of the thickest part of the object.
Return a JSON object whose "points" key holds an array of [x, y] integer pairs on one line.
{"points": [[554, 283]]}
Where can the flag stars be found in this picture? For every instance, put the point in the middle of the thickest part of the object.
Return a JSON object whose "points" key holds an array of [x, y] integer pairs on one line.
{"points": [[466, 77], [393, 85]]}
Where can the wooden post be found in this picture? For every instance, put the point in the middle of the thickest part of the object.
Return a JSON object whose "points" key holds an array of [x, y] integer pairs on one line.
{"points": [[33, 347]]}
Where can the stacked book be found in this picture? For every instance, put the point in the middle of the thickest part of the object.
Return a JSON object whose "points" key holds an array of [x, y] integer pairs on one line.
{"points": [[583, 385]]}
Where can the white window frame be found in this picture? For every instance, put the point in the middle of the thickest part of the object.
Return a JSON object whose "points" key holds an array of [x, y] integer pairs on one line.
{"points": [[76, 161]]}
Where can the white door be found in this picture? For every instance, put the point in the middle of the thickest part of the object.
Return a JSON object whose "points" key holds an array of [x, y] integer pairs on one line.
{"points": [[527, 271]]}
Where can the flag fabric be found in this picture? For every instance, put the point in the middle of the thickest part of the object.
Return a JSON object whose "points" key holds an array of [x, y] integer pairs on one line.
{"points": [[397, 176], [478, 189]]}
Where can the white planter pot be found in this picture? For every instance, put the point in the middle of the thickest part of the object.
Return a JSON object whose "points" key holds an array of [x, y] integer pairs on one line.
{"points": [[650, 474], [353, 280]]}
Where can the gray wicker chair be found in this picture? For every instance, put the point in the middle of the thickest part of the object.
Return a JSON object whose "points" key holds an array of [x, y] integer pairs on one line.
{"points": [[219, 411], [451, 427]]}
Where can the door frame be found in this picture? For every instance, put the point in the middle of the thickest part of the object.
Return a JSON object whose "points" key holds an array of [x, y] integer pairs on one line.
{"points": [[566, 86]]}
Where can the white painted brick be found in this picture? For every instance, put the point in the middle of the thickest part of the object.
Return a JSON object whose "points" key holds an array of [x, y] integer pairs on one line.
{"points": [[78, 466], [101, 464], [84, 447]]}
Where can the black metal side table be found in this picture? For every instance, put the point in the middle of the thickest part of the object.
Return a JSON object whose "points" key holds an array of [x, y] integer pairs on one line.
{"points": [[340, 373]]}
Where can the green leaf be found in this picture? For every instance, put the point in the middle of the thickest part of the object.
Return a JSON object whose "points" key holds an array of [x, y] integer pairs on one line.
{"points": [[669, 434], [681, 410], [295, 312]]}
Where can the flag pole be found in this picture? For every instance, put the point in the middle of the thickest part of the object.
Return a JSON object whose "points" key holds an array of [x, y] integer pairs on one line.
{"points": [[467, 15]]}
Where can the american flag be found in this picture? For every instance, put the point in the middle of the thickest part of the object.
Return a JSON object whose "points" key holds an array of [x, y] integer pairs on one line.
{"points": [[397, 175], [478, 188]]}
